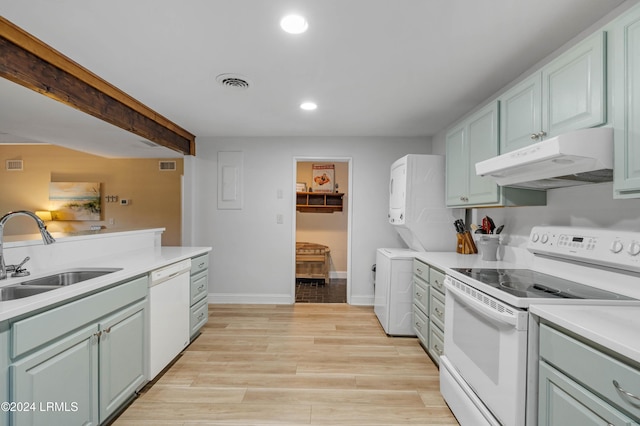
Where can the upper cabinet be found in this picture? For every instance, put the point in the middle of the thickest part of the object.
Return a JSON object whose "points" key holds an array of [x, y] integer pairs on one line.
{"points": [[473, 140], [521, 114], [567, 94], [626, 105]]}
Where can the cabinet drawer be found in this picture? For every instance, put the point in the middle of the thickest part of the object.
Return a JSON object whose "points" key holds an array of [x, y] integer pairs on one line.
{"points": [[29, 333], [436, 342], [199, 316], [436, 309], [199, 286], [199, 263], [421, 295], [421, 270], [421, 325], [436, 280], [595, 370]]}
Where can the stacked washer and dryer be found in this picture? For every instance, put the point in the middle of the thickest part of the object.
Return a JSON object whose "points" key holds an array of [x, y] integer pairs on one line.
{"points": [[418, 213]]}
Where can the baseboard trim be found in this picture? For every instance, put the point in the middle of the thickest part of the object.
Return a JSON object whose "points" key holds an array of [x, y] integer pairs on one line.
{"points": [[253, 299]]}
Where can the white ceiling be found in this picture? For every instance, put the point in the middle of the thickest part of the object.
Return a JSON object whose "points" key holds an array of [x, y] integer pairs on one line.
{"points": [[402, 68]]}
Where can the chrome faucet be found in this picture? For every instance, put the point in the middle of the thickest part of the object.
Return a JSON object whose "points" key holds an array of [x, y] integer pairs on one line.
{"points": [[46, 236]]}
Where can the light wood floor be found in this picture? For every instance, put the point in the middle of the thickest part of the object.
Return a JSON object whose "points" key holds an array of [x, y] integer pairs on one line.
{"points": [[303, 364]]}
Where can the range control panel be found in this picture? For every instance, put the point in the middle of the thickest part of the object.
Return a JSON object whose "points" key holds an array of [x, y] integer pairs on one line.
{"points": [[617, 249]]}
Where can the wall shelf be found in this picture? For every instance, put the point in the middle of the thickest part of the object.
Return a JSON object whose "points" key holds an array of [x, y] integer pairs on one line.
{"points": [[319, 202]]}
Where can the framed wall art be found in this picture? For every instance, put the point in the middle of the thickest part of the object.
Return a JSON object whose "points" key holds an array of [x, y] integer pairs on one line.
{"points": [[323, 176], [75, 200]]}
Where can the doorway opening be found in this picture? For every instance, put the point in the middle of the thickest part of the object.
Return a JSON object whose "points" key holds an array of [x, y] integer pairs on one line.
{"points": [[322, 230]]}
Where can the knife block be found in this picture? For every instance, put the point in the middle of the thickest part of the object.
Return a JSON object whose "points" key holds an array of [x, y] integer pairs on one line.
{"points": [[465, 244]]}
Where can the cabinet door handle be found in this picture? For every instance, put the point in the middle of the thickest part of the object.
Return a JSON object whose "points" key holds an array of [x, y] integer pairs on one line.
{"points": [[538, 136], [439, 313], [624, 393], [201, 316], [437, 349], [418, 326], [418, 295], [201, 287], [108, 330], [201, 265], [98, 334]]}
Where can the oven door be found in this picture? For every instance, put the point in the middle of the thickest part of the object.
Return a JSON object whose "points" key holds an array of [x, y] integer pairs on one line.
{"points": [[486, 342]]}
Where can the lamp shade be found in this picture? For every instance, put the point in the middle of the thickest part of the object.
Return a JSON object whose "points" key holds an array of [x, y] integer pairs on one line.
{"points": [[45, 215]]}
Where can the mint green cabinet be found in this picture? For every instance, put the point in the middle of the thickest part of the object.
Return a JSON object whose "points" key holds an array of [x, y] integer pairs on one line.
{"points": [[199, 308], [574, 88], [457, 166], [475, 139], [521, 114], [583, 385], [567, 94], [428, 308], [421, 302], [471, 141], [626, 54], [4, 369], [565, 402], [61, 381], [79, 362], [122, 357]]}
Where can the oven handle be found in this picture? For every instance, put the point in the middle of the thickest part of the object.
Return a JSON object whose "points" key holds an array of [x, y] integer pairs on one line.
{"points": [[481, 308]]}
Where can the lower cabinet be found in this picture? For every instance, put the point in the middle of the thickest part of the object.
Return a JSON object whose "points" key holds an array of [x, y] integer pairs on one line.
{"points": [[428, 308], [61, 381], [122, 356], [581, 385], [199, 312], [77, 364]]}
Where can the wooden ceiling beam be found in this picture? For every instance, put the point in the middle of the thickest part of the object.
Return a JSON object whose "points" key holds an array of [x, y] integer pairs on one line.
{"points": [[28, 61]]}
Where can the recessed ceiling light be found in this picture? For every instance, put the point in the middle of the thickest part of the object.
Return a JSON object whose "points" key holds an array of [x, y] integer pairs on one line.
{"points": [[294, 24], [308, 106]]}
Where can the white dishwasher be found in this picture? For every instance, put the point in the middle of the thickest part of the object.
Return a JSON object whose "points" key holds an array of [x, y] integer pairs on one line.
{"points": [[168, 315]]}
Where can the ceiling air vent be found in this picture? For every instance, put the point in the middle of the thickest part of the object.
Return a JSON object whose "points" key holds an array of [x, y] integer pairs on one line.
{"points": [[167, 166], [14, 165], [234, 81]]}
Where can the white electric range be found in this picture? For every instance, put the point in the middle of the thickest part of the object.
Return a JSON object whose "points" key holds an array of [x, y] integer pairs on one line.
{"points": [[485, 374]]}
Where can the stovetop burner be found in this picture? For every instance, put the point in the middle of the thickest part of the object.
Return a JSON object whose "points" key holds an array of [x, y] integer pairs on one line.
{"points": [[526, 283]]}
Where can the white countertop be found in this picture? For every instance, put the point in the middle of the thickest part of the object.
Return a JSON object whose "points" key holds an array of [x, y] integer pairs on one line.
{"points": [[614, 327], [133, 264], [448, 260]]}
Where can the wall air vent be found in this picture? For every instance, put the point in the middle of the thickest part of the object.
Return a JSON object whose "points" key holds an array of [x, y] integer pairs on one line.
{"points": [[149, 143], [167, 166], [233, 81], [14, 165]]}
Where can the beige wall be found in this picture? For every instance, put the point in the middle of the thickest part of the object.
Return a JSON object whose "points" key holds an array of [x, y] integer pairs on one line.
{"points": [[329, 229], [155, 195]]}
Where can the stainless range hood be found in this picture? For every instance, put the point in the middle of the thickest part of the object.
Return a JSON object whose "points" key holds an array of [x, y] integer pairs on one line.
{"points": [[575, 158]]}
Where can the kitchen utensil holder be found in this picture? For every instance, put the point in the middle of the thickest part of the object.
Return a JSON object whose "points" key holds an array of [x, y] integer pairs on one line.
{"points": [[489, 246], [465, 244]]}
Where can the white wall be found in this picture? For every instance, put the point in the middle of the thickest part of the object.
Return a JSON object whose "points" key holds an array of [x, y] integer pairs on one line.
{"points": [[252, 258], [589, 206]]}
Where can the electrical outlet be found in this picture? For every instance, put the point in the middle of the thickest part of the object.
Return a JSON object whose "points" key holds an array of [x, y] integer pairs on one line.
{"points": [[112, 221], [279, 219]]}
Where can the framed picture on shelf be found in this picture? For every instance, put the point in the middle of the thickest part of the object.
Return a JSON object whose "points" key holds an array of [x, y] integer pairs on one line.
{"points": [[301, 187], [323, 176]]}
